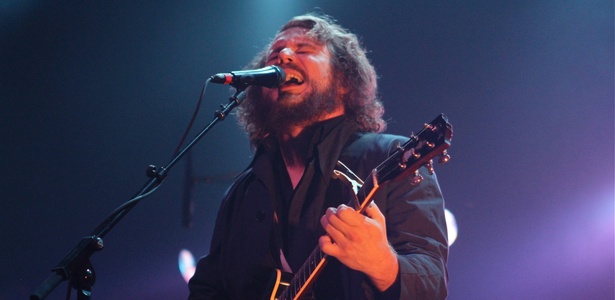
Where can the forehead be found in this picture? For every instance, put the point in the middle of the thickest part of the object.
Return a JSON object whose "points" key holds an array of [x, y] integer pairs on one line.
{"points": [[297, 35]]}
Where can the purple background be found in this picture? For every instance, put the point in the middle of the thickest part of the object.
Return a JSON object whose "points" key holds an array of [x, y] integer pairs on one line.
{"points": [[93, 92]]}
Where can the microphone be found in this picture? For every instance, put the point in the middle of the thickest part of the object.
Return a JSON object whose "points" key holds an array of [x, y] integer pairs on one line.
{"points": [[271, 77]]}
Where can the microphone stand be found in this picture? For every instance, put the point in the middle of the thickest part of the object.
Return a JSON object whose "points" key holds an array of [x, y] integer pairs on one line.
{"points": [[76, 266]]}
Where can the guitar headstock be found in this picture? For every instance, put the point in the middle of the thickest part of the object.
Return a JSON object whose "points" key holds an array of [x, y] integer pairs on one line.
{"points": [[431, 141]]}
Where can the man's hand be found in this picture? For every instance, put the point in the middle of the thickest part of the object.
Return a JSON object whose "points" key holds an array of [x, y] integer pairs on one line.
{"points": [[360, 243]]}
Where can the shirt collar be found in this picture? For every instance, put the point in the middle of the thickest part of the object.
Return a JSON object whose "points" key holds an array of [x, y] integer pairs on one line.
{"points": [[327, 143]]}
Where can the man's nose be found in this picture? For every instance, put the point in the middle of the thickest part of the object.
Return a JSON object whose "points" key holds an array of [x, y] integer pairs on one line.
{"points": [[286, 55]]}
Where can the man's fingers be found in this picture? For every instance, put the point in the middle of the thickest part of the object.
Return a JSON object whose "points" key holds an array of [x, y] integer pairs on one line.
{"points": [[350, 216], [374, 212], [332, 224], [328, 246]]}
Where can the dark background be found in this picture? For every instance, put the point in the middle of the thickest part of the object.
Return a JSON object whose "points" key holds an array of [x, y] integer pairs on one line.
{"points": [[94, 91]]}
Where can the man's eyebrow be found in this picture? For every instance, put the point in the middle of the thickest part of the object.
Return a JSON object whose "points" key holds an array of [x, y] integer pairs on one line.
{"points": [[277, 46], [307, 44]]}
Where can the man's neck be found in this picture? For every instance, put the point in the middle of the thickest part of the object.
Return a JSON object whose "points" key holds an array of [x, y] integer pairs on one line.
{"points": [[294, 145]]}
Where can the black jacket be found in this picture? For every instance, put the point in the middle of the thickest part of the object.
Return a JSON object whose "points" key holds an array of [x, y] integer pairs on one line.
{"points": [[247, 240]]}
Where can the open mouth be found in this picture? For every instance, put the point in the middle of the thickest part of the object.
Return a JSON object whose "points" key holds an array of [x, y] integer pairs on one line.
{"points": [[292, 78]]}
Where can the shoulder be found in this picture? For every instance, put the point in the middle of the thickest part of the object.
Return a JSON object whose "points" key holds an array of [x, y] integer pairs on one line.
{"points": [[367, 150], [376, 142], [376, 145]]}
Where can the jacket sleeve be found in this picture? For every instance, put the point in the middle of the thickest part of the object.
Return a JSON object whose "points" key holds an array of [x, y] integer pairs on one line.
{"points": [[416, 226], [207, 281], [416, 229]]}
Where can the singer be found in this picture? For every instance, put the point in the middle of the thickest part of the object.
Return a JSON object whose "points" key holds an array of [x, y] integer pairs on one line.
{"points": [[287, 203]]}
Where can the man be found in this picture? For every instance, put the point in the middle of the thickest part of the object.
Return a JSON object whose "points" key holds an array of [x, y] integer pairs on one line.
{"points": [[287, 203]]}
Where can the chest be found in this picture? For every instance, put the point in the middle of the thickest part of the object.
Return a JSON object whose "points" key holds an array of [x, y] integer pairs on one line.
{"points": [[295, 173]]}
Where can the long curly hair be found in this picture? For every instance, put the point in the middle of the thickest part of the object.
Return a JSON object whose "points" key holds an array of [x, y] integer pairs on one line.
{"points": [[349, 63]]}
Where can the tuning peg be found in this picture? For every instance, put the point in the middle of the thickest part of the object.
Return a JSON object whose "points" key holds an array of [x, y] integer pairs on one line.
{"points": [[444, 158], [416, 179], [429, 167], [430, 127]]}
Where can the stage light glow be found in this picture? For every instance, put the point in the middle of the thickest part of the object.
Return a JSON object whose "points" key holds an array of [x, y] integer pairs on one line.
{"points": [[187, 264], [451, 225]]}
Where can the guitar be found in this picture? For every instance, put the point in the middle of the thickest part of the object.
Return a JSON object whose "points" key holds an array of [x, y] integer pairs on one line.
{"points": [[431, 141]]}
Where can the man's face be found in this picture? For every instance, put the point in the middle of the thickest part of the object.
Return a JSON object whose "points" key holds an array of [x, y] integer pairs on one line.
{"points": [[309, 94]]}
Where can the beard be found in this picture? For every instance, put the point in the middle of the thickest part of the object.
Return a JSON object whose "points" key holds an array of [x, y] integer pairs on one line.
{"points": [[299, 110]]}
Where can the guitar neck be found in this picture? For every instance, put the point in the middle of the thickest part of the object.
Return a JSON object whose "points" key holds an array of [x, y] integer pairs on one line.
{"points": [[306, 275]]}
